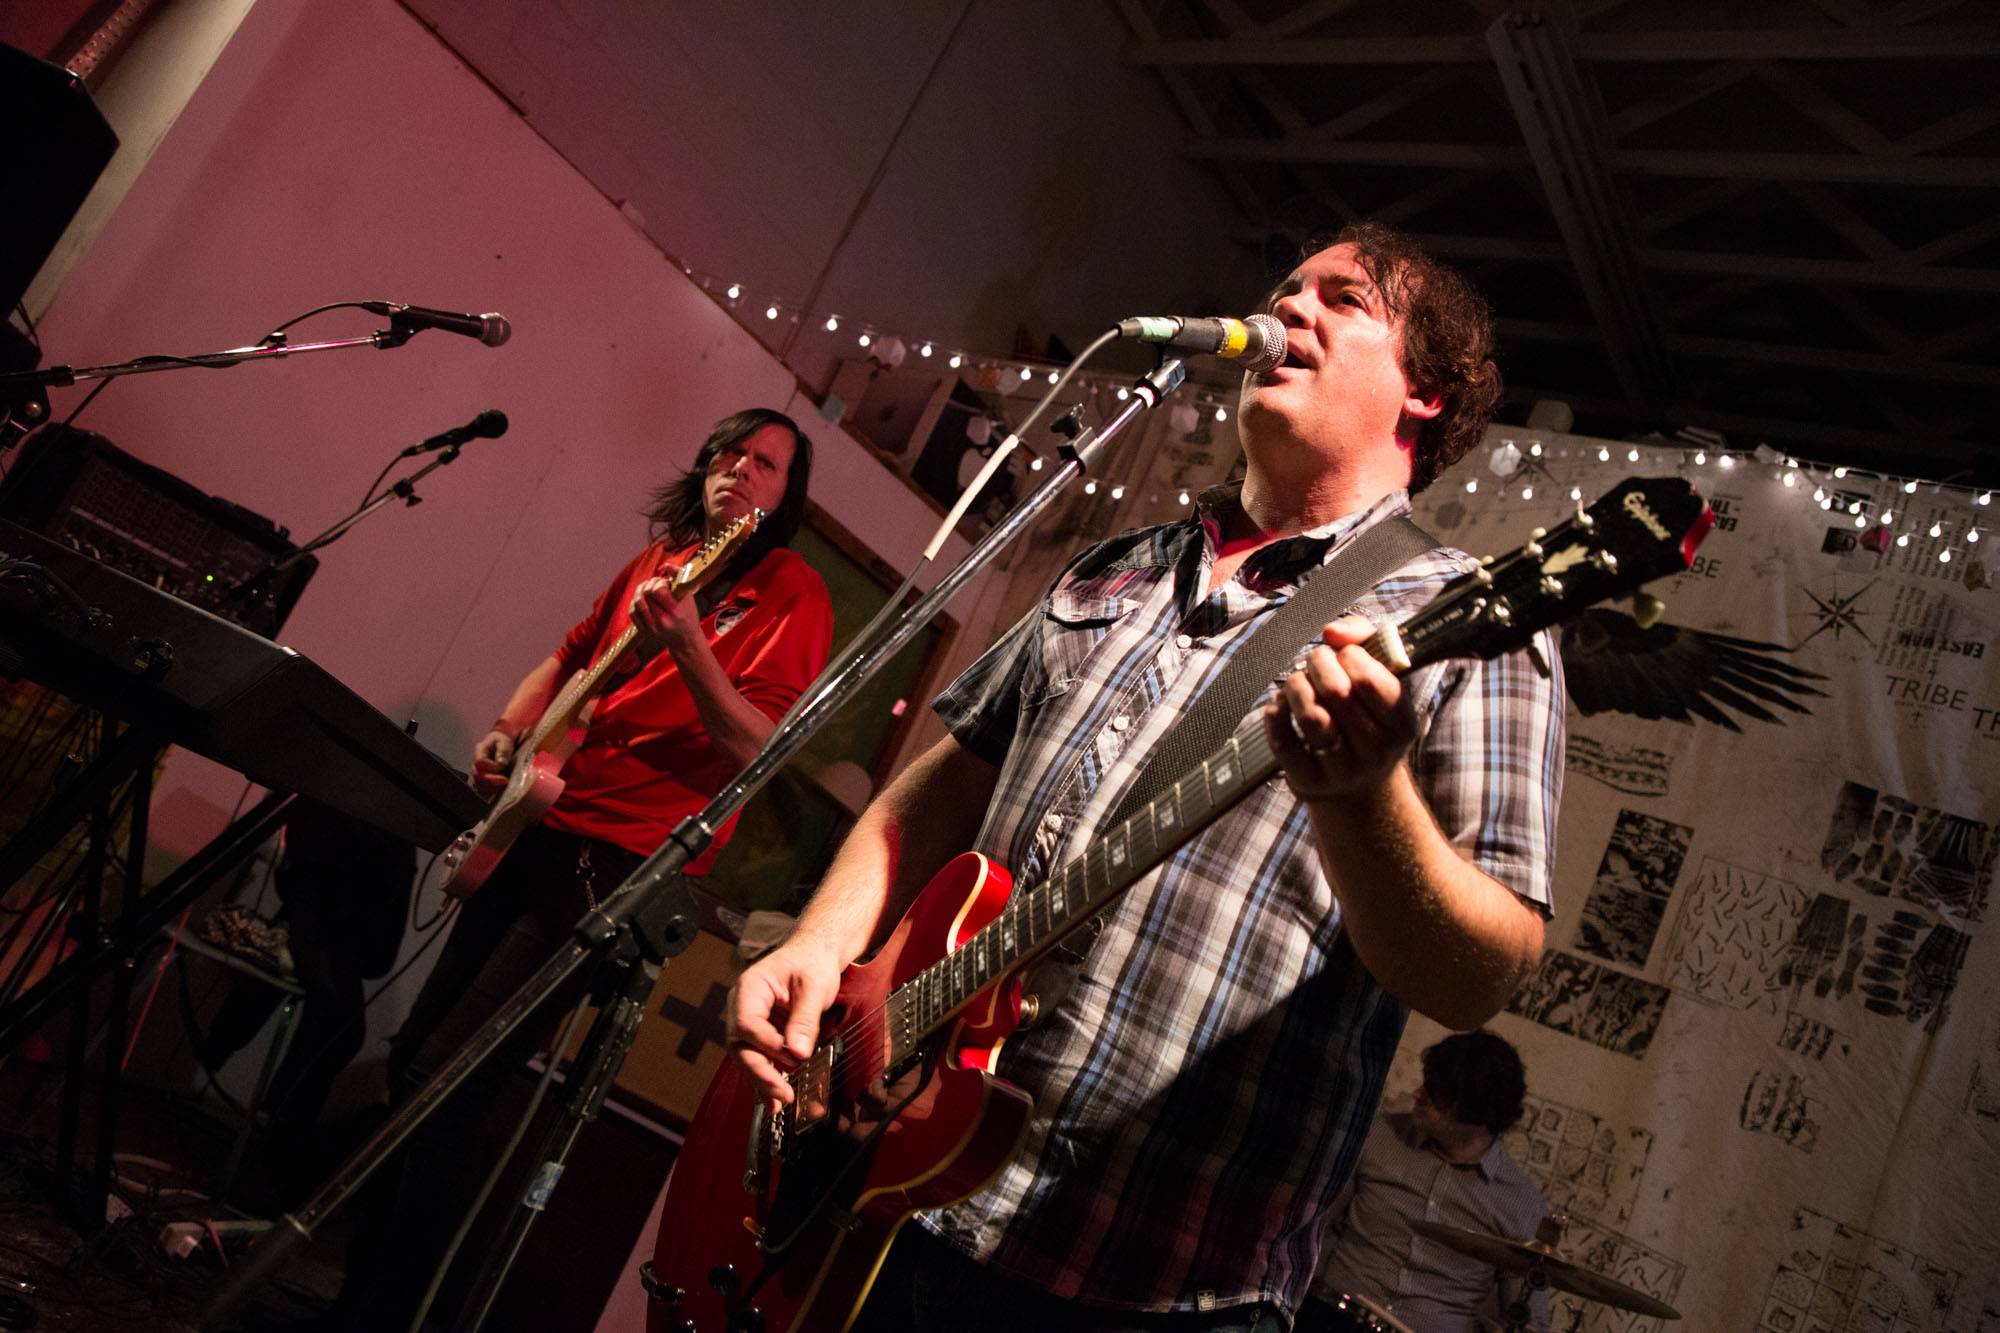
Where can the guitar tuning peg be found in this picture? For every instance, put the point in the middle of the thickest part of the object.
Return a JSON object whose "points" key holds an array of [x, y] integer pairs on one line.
{"points": [[1647, 609], [1539, 658]]}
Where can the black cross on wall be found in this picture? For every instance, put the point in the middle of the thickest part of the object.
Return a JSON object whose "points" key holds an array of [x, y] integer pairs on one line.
{"points": [[704, 1024]]}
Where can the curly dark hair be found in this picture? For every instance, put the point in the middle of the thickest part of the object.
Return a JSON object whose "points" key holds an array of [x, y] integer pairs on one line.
{"points": [[1447, 339], [1477, 1079], [676, 510]]}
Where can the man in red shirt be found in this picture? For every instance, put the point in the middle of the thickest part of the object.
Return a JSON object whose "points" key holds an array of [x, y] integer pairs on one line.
{"points": [[713, 674]]}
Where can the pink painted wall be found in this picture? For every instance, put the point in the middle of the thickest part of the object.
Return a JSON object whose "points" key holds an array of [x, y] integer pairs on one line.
{"points": [[339, 151]]}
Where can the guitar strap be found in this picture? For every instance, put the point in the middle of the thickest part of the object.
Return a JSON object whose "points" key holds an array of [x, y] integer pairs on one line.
{"points": [[1273, 647], [1213, 716]]}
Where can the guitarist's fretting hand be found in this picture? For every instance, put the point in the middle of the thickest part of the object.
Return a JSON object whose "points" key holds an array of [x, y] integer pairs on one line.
{"points": [[1342, 724], [666, 623], [492, 760]]}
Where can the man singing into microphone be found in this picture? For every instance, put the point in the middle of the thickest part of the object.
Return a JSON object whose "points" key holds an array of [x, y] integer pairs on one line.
{"points": [[714, 673], [1205, 1080]]}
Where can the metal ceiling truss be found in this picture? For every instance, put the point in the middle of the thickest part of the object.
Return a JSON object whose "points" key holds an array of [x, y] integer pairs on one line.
{"points": [[1791, 231]]}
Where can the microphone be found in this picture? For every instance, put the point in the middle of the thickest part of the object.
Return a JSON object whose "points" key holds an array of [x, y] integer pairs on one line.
{"points": [[490, 328], [1259, 341], [488, 425]]}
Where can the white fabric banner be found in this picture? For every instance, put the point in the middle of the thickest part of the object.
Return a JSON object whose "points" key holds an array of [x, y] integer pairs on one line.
{"points": [[1763, 1047]]}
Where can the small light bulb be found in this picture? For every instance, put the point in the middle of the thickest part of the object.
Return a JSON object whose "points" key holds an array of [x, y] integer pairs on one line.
{"points": [[1185, 498], [1903, 540], [864, 340], [1117, 492], [1819, 493], [1535, 448], [1790, 480], [1527, 492], [1603, 455], [1701, 458], [1090, 488], [1472, 486], [1724, 460], [925, 350], [1854, 508], [1052, 377], [1035, 464], [956, 361], [1221, 414], [1986, 497], [770, 312], [1576, 492], [1944, 557], [832, 324], [1840, 472], [734, 291], [1972, 534], [1937, 529], [1909, 488], [1791, 462], [1860, 520], [1123, 394], [1888, 517], [1631, 455]]}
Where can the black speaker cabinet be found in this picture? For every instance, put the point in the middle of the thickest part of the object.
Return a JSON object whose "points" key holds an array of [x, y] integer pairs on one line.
{"points": [[53, 146]]}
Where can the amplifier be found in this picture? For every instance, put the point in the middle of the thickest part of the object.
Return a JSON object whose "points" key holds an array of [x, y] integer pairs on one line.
{"points": [[77, 488]]}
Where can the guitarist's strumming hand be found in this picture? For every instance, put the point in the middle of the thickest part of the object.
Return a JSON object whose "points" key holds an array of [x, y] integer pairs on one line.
{"points": [[492, 760], [1342, 724], [666, 623], [793, 985]]}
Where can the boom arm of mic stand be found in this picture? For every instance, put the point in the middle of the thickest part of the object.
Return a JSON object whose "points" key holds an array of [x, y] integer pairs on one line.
{"points": [[654, 900], [67, 375]]}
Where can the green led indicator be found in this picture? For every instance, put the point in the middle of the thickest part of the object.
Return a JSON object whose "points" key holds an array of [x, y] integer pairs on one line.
{"points": [[208, 578]]}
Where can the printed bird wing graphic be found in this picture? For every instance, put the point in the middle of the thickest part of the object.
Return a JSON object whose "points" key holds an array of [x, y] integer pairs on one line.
{"points": [[1611, 665]]}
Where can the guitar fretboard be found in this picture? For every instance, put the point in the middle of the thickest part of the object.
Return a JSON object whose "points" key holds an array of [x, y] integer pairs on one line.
{"points": [[583, 687]]}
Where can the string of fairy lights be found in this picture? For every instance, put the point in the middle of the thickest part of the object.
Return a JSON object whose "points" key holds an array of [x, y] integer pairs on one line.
{"points": [[1880, 520], [1946, 513], [1004, 375]]}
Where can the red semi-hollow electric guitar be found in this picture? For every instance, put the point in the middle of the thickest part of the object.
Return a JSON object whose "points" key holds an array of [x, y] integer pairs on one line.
{"points": [[536, 778], [777, 1218]]}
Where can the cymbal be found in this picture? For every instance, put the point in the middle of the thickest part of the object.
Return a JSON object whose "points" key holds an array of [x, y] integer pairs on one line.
{"points": [[1524, 1256]]}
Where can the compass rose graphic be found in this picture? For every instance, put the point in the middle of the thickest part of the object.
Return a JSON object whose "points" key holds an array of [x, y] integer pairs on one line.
{"points": [[1836, 613]]}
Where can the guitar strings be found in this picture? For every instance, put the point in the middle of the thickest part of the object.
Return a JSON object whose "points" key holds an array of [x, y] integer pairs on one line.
{"points": [[1376, 645]]}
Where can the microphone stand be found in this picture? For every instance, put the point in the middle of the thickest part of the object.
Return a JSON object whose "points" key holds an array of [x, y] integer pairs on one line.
{"points": [[652, 915], [404, 489], [274, 347]]}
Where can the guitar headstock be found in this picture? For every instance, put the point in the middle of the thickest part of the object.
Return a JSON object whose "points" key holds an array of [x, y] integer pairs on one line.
{"points": [[1642, 529], [713, 553]]}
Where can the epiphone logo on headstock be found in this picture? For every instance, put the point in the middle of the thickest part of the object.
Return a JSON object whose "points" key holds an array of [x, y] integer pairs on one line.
{"points": [[1635, 505]]}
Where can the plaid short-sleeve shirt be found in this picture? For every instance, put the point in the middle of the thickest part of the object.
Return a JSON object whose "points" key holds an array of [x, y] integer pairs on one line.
{"points": [[1204, 1084]]}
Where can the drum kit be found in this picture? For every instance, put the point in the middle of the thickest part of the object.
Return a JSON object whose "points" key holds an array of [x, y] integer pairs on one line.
{"points": [[1534, 1262]]}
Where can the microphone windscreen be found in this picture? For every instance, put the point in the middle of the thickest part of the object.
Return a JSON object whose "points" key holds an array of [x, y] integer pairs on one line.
{"points": [[1268, 354]]}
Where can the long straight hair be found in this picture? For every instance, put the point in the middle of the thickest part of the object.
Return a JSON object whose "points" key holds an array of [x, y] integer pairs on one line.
{"points": [[678, 515]]}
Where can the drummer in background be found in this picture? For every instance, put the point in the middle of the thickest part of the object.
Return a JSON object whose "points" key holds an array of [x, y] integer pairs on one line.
{"points": [[1441, 1161]]}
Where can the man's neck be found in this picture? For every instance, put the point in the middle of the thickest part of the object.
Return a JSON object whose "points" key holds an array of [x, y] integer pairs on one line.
{"points": [[1285, 506]]}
